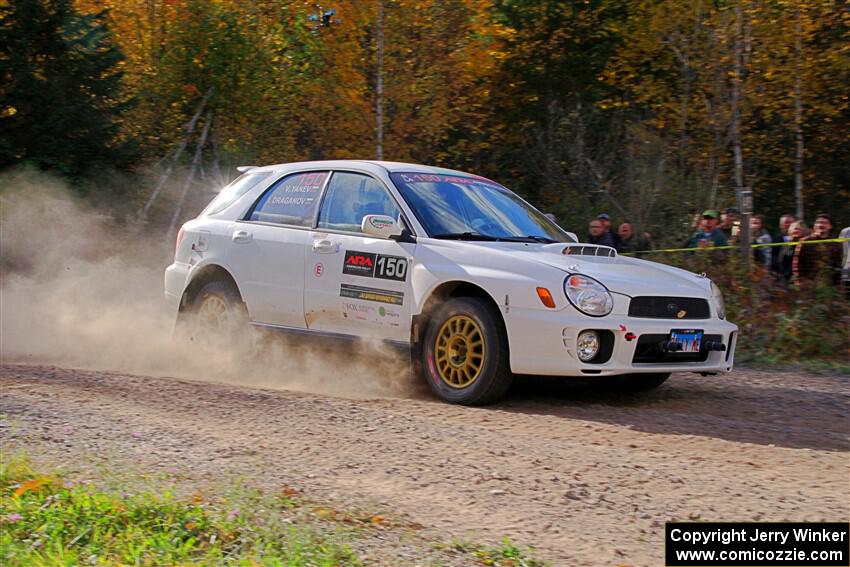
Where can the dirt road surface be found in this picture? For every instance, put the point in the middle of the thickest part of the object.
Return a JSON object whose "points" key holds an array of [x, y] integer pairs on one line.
{"points": [[587, 476]]}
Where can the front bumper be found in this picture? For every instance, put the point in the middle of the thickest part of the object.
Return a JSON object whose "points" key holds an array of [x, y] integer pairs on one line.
{"points": [[544, 342]]}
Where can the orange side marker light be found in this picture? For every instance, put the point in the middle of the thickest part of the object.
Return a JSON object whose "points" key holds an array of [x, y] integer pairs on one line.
{"points": [[545, 297]]}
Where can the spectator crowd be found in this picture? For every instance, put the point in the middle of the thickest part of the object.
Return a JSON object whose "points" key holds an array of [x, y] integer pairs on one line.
{"points": [[801, 261]]}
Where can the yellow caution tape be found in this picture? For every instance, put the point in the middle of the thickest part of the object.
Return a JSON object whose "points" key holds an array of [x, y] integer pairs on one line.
{"points": [[735, 246]]}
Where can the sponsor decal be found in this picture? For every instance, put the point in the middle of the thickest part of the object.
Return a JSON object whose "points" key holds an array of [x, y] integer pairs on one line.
{"points": [[432, 178], [295, 198], [381, 224], [359, 264], [389, 316], [375, 266], [358, 311], [370, 314], [318, 270], [371, 294]]}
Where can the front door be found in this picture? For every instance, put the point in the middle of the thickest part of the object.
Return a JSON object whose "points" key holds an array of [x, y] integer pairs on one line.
{"points": [[357, 284]]}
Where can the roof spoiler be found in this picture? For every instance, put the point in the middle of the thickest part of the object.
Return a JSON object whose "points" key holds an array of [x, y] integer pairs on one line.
{"points": [[246, 168]]}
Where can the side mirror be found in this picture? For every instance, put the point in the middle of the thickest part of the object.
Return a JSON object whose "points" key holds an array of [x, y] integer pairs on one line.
{"points": [[382, 226]]}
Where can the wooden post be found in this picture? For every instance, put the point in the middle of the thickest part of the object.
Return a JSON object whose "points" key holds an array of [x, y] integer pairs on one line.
{"points": [[190, 127], [196, 160]]}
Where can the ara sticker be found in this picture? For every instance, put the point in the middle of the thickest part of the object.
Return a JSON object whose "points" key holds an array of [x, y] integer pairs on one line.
{"points": [[359, 264], [371, 294]]}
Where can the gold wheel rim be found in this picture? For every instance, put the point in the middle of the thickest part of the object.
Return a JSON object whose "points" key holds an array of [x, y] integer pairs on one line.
{"points": [[459, 351], [213, 312]]}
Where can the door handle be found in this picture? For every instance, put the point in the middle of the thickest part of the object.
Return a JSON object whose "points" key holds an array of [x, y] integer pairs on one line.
{"points": [[325, 246], [242, 237]]}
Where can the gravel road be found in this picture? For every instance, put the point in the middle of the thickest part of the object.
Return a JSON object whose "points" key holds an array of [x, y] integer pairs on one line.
{"points": [[586, 476]]}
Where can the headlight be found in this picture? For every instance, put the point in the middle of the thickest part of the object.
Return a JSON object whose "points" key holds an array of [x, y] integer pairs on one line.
{"points": [[718, 300], [588, 295]]}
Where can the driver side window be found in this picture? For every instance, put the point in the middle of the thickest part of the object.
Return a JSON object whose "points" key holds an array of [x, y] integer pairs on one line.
{"points": [[352, 196]]}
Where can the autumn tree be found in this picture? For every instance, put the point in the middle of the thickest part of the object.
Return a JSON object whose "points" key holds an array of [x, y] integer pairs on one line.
{"points": [[558, 143], [439, 63], [61, 91], [729, 91]]}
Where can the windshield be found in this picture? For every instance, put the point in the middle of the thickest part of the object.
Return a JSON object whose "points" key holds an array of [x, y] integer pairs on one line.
{"points": [[473, 208]]}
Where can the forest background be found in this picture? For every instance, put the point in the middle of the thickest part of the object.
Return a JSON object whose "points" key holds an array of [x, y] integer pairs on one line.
{"points": [[651, 110]]}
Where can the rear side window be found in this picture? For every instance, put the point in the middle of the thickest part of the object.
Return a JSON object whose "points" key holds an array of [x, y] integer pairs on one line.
{"points": [[293, 200], [232, 192]]}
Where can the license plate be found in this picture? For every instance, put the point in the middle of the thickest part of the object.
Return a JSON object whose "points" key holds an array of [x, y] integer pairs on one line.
{"points": [[690, 339]]}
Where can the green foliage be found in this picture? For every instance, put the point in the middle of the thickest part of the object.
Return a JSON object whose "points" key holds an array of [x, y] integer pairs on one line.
{"points": [[62, 99], [504, 555], [621, 106], [118, 519], [558, 141], [44, 521]]}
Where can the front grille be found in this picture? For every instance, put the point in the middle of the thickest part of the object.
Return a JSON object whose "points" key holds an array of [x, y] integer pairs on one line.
{"points": [[669, 307], [648, 350]]}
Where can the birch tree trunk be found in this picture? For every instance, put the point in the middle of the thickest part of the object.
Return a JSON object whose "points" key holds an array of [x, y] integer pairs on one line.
{"points": [[737, 84], [379, 87], [798, 114]]}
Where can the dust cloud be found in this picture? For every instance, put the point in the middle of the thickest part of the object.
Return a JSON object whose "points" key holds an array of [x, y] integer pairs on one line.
{"points": [[79, 288]]}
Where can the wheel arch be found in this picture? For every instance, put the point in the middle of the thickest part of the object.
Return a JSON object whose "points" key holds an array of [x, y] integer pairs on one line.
{"points": [[444, 292], [206, 274]]}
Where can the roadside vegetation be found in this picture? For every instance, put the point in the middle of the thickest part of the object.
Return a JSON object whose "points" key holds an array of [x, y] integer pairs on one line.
{"points": [[48, 519], [780, 325]]}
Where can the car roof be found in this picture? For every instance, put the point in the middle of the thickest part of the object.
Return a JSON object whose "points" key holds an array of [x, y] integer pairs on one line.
{"points": [[389, 166]]}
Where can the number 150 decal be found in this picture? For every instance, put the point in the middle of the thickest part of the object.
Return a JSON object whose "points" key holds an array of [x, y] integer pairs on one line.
{"points": [[391, 267], [375, 265]]}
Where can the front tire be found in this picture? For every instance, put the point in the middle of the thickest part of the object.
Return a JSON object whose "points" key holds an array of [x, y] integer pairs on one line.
{"points": [[464, 356]]}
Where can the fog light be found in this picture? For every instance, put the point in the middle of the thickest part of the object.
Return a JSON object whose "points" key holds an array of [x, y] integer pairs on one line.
{"points": [[587, 345]]}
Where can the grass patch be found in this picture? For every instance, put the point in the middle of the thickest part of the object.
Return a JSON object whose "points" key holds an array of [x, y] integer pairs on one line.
{"points": [[47, 521], [504, 555]]}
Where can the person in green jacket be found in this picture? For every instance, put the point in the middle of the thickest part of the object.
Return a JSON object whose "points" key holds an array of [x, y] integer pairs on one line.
{"points": [[710, 235]]}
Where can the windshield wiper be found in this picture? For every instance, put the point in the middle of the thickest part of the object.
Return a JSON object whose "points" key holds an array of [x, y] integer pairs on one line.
{"points": [[543, 239], [533, 238], [466, 236], [487, 237]]}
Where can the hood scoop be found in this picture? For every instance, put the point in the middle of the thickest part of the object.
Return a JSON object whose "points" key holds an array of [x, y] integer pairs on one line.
{"points": [[580, 249]]}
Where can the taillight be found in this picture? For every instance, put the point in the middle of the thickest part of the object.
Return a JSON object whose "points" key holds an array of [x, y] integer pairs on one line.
{"points": [[179, 240]]}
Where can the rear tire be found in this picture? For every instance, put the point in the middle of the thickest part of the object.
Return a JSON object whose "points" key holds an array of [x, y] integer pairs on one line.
{"points": [[215, 315], [464, 354], [641, 382]]}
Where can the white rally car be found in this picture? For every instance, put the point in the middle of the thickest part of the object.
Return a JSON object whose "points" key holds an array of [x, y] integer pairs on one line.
{"points": [[474, 281]]}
